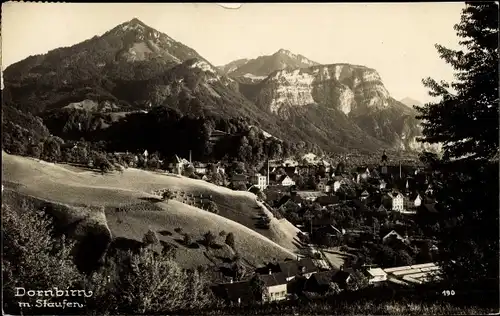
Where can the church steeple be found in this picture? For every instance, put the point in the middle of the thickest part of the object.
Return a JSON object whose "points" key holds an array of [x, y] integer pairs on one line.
{"points": [[383, 164]]}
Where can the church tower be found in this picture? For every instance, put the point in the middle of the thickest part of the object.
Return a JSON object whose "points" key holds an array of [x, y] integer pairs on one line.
{"points": [[383, 164]]}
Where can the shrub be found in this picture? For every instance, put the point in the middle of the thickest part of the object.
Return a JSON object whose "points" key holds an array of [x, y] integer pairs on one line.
{"points": [[333, 289], [212, 207], [101, 162], [209, 238], [178, 230], [153, 163], [230, 240], [187, 240], [222, 233], [240, 187], [167, 195], [52, 149], [150, 238], [35, 150]]}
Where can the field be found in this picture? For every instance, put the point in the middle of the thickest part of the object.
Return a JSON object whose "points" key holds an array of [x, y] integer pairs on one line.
{"points": [[130, 209]]}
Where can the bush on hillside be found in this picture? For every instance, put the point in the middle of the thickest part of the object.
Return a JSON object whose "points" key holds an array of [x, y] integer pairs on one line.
{"points": [[230, 240], [187, 240], [35, 150], [150, 238], [167, 195], [212, 207], [102, 163], [153, 163], [209, 239], [52, 149]]}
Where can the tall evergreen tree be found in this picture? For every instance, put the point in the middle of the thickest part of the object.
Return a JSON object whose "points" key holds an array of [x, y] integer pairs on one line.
{"points": [[465, 121]]}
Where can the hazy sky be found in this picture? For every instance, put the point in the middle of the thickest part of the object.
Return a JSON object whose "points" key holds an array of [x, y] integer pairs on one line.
{"points": [[396, 39]]}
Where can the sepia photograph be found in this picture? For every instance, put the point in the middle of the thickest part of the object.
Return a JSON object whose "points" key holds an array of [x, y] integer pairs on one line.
{"points": [[250, 158]]}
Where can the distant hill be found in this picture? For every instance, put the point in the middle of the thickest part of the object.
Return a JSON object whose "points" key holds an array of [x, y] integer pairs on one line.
{"points": [[410, 102]]}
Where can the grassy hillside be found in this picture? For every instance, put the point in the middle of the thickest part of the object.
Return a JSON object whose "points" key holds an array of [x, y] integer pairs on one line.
{"points": [[131, 208]]}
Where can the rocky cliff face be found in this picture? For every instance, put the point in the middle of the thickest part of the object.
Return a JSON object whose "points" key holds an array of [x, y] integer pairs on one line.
{"points": [[356, 91], [345, 87]]}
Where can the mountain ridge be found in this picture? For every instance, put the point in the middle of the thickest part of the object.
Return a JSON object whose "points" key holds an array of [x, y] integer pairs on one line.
{"points": [[256, 69], [134, 67]]}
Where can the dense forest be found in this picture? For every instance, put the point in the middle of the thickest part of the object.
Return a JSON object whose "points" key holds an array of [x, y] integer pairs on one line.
{"points": [[162, 130]]}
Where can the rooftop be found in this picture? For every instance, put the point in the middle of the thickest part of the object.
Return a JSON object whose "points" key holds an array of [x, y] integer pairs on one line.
{"points": [[294, 267], [414, 274], [310, 194], [273, 279], [376, 272]]}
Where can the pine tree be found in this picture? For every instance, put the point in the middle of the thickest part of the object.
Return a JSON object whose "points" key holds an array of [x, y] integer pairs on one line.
{"points": [[465, 121]]}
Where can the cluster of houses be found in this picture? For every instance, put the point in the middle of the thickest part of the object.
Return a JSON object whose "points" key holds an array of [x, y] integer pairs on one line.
{"points": [[387, 190], [180, 164], [395, 188], [282, 280]]}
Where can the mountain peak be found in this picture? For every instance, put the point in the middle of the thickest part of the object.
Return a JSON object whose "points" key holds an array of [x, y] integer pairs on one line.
{"points": [[283, 51], [134, 24], [135, 20], [263, 66]]}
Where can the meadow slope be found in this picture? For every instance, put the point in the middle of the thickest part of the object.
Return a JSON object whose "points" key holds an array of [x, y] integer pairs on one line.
{"points": [[131, 208]]}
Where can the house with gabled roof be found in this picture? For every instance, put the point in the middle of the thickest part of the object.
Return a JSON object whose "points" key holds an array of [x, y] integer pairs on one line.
{"points": [[397, 200], [375, 275], [292, 268], [289, 203], [286, 181], [417, 201], [235, 292], [382, 209], [259, 181], [365, 195], [337, 183], [327, 200], [310, 195], [239, 179], [276, 286], [393, 234], [200, 168], [382, 184], [320, 282], [178, 164]]}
